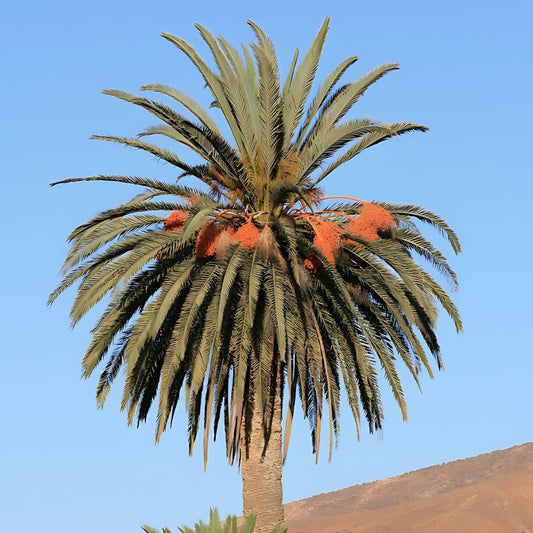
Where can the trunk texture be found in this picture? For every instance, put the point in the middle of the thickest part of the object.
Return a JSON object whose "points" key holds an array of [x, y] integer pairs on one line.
{"points": [[261, 473]]}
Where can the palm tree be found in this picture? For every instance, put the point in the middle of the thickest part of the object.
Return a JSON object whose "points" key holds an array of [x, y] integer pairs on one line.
{"points": [[254, 292]]}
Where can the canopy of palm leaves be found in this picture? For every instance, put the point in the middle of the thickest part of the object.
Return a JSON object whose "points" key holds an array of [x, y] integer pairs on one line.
{"points": [[255, 276]]}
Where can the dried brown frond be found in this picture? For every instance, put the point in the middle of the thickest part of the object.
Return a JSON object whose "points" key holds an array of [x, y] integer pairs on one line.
{"points": [[214, 174], [268, 244], [314, 196], [288, 167]]}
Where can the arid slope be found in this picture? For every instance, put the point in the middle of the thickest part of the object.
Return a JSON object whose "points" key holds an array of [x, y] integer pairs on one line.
{"points": [[490, 493]]}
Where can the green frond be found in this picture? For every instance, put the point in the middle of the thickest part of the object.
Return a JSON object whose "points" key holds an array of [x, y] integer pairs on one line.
{"points": [[161, 153], [235, 93], [190, 103], [204, 141], [290, 75], [270, 117], [247, 94], [171, 133], [334, 108], [107, 231], [417, 243], [406, 210], [372, 138], [322, 94], [325, 146], [114, 266], [295, 95], [157, 185], [125, 304], [214, 84]]}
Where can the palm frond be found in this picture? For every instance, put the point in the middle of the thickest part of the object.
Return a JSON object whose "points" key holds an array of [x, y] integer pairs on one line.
{"points": [[296, 93], [190, 103], [372, 138]]}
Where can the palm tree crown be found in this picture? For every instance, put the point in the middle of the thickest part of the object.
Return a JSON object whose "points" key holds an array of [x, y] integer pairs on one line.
{"points": [[255, 284]]}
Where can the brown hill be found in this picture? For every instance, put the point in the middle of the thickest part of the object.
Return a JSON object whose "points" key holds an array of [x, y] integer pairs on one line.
{"points": [[490, 493]]}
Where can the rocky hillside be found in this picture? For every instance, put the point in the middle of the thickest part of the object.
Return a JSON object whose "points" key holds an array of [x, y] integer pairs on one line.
{"points": [[490, 493]]}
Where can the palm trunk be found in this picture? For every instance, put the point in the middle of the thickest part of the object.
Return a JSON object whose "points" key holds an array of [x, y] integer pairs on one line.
{"points": [[261, 473]]}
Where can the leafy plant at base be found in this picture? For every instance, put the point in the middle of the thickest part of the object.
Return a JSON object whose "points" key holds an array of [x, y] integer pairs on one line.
{"points": [[216, 526]]}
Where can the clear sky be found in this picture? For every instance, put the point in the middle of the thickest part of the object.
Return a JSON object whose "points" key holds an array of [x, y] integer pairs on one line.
{"points": [[466, 73]]}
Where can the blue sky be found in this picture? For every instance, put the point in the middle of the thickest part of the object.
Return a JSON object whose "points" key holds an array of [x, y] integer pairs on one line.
{"points": [[465, 73]]}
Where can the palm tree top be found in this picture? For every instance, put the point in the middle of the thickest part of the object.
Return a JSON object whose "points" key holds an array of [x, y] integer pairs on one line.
{"points": [[281, 150]]}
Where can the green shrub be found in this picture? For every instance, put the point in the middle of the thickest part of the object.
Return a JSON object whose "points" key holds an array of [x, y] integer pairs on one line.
{"points": [[215, 526]]}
